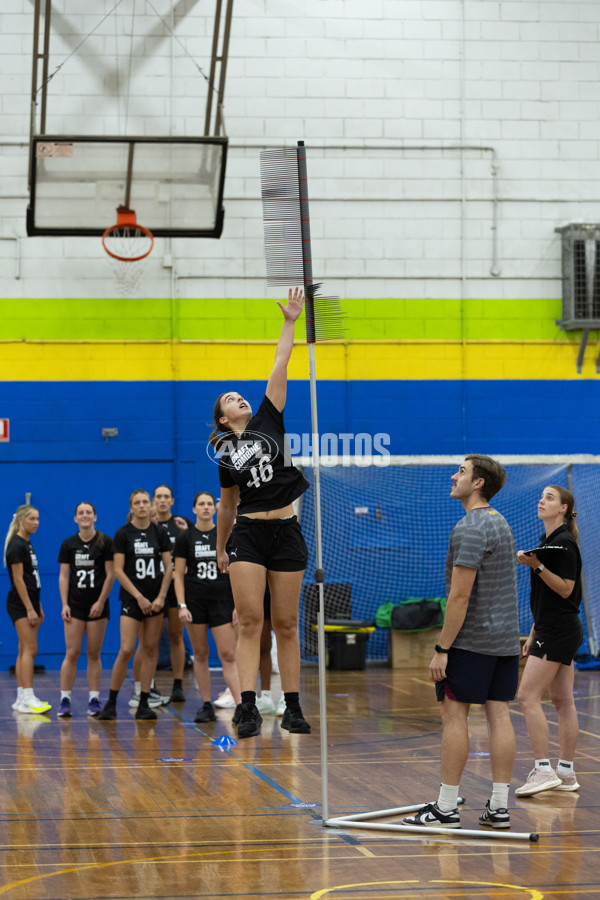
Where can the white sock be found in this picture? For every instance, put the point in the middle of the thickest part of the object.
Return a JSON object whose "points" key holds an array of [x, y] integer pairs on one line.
{"points": [[542, 764], [448, 798], [564, 768], [94, 695], [137, 687], [499, 798], [19, 693], [66, 694], [266, 694], [28, 693]]}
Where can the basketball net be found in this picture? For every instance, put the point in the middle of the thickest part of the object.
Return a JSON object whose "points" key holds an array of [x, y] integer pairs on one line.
{"points": [[128, 245]]}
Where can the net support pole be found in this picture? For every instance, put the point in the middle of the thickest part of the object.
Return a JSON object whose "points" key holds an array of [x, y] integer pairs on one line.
{"points": [[319, 577], [591, 633], [309, 292]]}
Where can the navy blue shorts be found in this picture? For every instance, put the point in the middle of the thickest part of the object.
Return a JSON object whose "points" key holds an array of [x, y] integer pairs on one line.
{"points": [[276, 544], [476, 678]]}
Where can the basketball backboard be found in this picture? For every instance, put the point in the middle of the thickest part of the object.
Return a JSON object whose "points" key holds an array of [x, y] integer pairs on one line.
{"points": [[175, 185]]}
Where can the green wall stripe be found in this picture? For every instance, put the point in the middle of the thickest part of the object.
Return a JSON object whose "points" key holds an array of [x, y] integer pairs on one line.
{"points": [[241, 319]]}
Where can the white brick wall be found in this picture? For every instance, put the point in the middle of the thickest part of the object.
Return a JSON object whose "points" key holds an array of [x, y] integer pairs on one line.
{"points": [[387, 220]]}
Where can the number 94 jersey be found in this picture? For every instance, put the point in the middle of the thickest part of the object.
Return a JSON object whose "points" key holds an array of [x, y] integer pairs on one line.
{"points": [[143, 551], [260, 463], [86, 560], [202, 577]]}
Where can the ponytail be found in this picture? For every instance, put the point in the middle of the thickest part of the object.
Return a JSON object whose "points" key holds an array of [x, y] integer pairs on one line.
{"points": [[568, 499], [218, 436], [21, 513]]}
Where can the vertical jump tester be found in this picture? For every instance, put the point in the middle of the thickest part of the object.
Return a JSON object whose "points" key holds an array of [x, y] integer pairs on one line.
{"points": [[286, 219]]}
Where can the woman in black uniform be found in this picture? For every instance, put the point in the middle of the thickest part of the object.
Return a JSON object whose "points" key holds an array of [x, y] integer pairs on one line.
{"points": [[85, 581], [23, 603], [139, 548], [258, 487], [204, 599], [552, 643]]}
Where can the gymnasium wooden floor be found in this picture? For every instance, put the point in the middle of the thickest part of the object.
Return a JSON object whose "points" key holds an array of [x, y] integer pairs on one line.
{"points": [[127, 810]]}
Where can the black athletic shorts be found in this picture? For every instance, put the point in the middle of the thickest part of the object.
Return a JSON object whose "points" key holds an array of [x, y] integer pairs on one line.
{"points": [[276, 544], [82, 611], [131, 609], [210, 609], [16, 608], [476, 678], [559, 648], [171, 601]]}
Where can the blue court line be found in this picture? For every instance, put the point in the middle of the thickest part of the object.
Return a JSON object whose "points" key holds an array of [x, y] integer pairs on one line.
{"points": [[249, 766]]}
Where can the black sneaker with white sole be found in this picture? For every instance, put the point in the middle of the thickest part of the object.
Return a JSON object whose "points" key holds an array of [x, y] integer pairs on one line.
{"points": [[495, 818], [250, 721], [432, 815], [294, 722]]}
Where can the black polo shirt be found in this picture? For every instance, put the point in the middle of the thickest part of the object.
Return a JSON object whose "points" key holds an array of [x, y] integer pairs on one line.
{"points": [[554, 615]]}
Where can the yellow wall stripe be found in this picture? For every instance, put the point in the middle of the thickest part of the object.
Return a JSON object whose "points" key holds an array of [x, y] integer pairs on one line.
{"points": [[252, 360]]}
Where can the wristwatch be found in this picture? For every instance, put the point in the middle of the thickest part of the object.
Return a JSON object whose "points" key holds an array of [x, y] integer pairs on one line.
{"points": [[439, 649], [181, 606], [539, 569]]}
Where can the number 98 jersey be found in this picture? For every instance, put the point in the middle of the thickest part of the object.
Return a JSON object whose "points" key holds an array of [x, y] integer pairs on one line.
{"points": [[86, 560], [202, 580], [260, 463]]}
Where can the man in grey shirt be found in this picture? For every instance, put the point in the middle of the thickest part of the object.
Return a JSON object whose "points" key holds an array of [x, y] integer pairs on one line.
{"points": [[477, 659]]}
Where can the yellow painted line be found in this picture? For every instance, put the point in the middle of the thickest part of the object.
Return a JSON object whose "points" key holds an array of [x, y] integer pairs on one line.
{"points": [[533, 894], [361, 884], [253, 360]]}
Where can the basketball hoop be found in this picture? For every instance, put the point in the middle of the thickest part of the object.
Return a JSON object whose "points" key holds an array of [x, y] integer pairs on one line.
{"points": [[128, 244]]}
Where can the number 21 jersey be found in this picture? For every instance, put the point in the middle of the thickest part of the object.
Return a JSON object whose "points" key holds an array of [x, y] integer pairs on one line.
{"points": [[86, 560]]}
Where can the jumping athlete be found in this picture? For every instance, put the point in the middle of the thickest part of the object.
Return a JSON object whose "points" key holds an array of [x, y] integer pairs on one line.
{"points": [[258, 487]]}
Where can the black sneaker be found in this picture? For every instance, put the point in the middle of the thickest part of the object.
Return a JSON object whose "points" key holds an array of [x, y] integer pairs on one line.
{"points": [[144, 712], [109, 713], [250, 721], [495, 818], [206, 713], [237, 714], [177, 695], [432, 815], [294, 722]]}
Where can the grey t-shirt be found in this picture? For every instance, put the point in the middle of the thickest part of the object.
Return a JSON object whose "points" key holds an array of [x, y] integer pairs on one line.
{"points": [[483, 540]]}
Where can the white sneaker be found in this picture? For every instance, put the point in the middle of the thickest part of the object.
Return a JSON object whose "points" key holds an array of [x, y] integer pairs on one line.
{"points": [[33, 706], [153, 700], [265, 703], [225, 700], [280, 709], [17, 703]]}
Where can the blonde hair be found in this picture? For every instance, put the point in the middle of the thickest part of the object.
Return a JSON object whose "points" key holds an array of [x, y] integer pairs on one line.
{"points": [[21, 513]]}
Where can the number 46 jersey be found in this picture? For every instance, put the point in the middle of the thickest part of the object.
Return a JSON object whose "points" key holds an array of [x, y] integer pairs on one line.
{"points": [[259, 462], [202, 580], [87, 569]]}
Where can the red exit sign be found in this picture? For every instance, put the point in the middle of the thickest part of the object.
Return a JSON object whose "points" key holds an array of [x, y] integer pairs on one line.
{"points": [[4, 429]]}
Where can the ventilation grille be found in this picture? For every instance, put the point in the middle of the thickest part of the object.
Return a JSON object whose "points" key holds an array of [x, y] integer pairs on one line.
{"points": [[580, 276]]}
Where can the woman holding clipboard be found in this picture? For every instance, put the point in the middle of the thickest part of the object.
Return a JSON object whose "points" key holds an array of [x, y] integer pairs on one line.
{"points": [[553, 641]]}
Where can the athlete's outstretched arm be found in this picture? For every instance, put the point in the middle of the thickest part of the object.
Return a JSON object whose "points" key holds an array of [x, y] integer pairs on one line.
{"points": [[277, 385]]}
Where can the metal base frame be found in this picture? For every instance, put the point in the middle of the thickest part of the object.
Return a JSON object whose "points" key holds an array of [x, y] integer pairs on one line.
{"points": [[361, 820]]}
